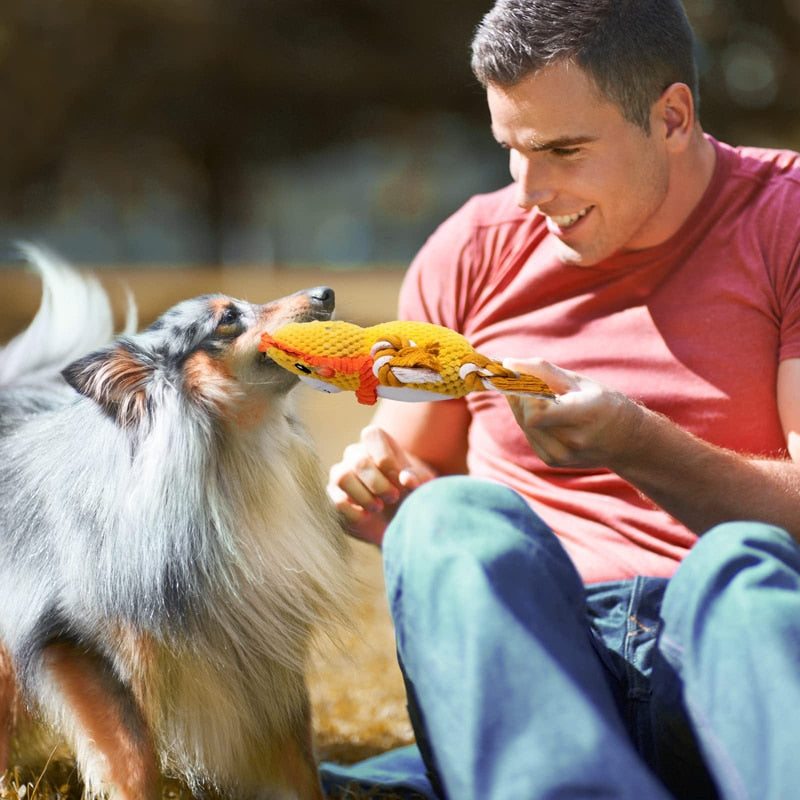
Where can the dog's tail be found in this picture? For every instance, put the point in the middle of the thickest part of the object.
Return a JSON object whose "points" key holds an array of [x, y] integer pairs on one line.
{"points": [[74, 317]]}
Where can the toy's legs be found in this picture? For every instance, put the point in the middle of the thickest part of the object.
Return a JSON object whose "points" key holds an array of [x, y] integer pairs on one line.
{"points": [[509, 694], [731, 635]]}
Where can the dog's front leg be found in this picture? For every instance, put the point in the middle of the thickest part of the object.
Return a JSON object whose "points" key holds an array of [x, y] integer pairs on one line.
{"points": [[106, 721], [298, 765]]}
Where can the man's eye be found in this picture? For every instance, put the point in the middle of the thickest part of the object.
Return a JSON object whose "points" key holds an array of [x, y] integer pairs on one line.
{"points": [[565, 152]]}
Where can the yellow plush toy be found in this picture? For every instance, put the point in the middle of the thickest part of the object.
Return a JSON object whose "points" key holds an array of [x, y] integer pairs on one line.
{"points": [[399, 360]]}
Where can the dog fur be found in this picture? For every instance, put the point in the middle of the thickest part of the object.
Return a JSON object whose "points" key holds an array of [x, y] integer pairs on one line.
{"points": [[166, 545]]}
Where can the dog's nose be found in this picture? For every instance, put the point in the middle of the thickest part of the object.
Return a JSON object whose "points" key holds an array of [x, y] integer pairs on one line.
{"points": [[323, 297]]}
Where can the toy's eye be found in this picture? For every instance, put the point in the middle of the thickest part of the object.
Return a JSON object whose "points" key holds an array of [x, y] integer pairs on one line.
{"points": [[303, 368]]}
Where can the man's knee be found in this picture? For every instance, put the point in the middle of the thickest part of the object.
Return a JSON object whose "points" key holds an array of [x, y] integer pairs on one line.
{"points": [[741, 550], [729, 569], [458, 513], [459, 526], [444, 500]]}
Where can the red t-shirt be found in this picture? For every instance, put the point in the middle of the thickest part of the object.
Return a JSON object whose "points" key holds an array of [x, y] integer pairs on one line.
{"points": [[693, 328]]}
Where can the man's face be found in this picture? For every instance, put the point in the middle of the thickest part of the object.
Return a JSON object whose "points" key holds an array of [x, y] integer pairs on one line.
{"points": [[600, 180]]}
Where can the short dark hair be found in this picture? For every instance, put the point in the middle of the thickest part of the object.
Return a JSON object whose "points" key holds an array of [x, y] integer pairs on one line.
{"points": [[632, 49]]}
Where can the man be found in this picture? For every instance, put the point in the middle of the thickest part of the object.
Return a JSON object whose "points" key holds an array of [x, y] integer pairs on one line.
{"points": [[607, 628]]}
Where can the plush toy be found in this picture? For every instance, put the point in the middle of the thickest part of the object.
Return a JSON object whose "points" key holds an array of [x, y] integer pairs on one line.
{"points": [[399, 360]]}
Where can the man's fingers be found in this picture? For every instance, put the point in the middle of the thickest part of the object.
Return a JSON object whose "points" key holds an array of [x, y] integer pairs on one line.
{"points": [[363, 483], [558, 379], [384, 453], [344, 504], [369, 472], [535, 412]]}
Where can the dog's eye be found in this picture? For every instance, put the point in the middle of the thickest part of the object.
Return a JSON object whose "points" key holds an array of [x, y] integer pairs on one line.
{"points": [[303, 368], [229, 323], [230, 316]]}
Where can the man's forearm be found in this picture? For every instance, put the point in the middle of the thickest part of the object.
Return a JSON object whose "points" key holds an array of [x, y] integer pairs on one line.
{"points": [[702, 485]]}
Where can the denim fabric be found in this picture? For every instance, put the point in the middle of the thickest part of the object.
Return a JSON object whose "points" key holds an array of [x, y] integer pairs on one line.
{"points": [[729, 659], [523, 683], [395, 774]]}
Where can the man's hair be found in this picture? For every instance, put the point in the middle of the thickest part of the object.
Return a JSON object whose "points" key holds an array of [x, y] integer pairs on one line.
{"points": [[632, 49]]}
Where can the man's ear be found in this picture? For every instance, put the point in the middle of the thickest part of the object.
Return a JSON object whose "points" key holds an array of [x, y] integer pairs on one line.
{"points": [[674, 114], [116, 379]]}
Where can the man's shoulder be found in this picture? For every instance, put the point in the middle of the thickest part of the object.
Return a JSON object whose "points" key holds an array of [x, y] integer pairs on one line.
{"points": [[763, 165], [754, 210]]}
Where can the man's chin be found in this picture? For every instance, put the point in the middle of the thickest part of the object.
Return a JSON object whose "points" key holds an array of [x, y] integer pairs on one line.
{"points": [[567, 255]]}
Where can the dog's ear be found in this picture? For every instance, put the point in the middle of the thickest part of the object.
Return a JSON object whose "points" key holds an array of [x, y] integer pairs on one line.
{"points": [[116, 379]]}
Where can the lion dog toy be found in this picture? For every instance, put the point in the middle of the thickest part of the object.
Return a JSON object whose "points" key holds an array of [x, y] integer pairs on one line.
{"points": [[398, 360]]}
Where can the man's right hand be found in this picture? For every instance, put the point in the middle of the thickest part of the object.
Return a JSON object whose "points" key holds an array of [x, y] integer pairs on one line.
{"points": [[372, 479]]}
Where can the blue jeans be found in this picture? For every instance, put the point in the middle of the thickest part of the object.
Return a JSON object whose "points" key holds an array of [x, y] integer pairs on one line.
{"points": [[525, 684]]}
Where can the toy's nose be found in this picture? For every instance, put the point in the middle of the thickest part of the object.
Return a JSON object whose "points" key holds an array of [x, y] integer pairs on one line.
{"points": [[322, 297]]}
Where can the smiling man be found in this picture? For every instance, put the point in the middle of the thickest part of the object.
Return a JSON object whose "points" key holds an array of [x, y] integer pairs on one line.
{"points": [[586, 613], [603, 184]]}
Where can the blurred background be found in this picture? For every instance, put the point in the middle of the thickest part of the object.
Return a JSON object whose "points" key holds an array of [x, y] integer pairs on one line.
{"points": [[292, 132]]}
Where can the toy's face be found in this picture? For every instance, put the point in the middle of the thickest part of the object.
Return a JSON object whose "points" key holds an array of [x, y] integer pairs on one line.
{"points": [[322, 377], [327, 357], [311, 362]]}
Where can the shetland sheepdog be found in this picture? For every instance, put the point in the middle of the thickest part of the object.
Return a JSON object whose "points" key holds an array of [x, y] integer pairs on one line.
{"points": [[166, 546]]}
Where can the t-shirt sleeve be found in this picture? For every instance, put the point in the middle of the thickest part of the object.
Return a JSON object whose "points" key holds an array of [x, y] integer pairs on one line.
{"points": [[784, 257]]}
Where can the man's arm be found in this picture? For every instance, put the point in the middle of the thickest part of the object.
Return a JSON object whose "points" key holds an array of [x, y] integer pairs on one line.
{"points": [[788, 395], [698, 483], [406, 445]]}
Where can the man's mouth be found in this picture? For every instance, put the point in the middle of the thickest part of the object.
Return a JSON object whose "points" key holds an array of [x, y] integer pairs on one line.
{"points": [[565, 221]]}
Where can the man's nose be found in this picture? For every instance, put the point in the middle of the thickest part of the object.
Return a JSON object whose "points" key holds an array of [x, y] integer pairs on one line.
{"points": [[534, 182]]}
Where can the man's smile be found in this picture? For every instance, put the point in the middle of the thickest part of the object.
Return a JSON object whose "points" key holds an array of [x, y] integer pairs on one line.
{"points": [[563, 221]]}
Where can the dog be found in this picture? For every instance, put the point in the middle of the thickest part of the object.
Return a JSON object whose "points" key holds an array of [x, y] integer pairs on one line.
{"points": [[167, 550]]}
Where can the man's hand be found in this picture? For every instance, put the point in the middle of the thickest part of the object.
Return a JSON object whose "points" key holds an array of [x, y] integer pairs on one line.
{"points": [[590, 425], [696, 482], [373, 477]]}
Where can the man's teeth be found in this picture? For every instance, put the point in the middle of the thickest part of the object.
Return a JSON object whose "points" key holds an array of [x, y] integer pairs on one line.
{"points": [[571, 219]]}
